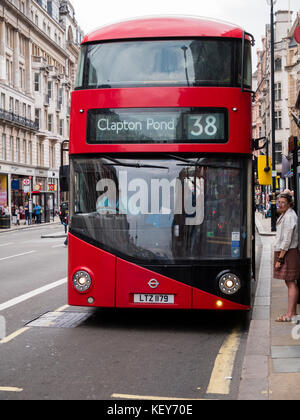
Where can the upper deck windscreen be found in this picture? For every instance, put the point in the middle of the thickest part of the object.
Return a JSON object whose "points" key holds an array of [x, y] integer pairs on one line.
{"points": [[173, 62]]}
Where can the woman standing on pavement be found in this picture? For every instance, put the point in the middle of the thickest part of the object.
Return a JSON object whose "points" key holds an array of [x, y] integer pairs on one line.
{"points": [[286, 254]]}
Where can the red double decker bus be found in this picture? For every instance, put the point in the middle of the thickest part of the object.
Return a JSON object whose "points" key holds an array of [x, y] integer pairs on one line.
{"points": [[161, 167]]}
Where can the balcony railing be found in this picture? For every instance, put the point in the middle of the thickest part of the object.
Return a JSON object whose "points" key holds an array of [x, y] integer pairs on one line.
{"points": [[18, 119]]}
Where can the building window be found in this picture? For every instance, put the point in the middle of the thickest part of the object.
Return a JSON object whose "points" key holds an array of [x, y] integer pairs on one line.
{"points": [[22, 77], [22, 44], [9, 36], [3, 147], [9, 72], [61, 127], [36, 82], [278, 120], [49, 90], [40, 153], [10, 148], [278, 64], [52, 156], [50, 122], [2, 105], [60, 96], [17, 107], [37, 118], [24, 150], [277, 91], [17, 150], [29, 154], [11, 104], [278, 153]]}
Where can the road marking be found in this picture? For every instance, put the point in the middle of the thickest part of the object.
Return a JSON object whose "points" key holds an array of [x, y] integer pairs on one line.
{"points": [[17, 255], [58, 246], [31, 294], [8, 243], [10, 389], [22, 330], [148, 397], [13, 335], [62, 308], [220, 379]]}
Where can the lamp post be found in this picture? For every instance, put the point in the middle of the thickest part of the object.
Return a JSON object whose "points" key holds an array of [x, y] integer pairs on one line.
{"points": [[273, 202]]}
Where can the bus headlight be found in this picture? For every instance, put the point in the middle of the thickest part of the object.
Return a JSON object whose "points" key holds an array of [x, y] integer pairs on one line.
{"points": [[229, 283], [82, 281]]}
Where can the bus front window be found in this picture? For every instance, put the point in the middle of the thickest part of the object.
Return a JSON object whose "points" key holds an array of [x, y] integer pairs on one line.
{"points": [[160, 210]]}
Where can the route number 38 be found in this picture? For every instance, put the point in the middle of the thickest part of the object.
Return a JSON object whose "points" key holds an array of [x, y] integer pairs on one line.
{"points": [[204, 125]]}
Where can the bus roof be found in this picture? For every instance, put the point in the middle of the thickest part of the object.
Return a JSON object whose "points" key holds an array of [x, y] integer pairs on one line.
{"points": [[165, 27]]}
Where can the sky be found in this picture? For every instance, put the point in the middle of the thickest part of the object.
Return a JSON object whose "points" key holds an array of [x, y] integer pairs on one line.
{"points": [[252, 15]]}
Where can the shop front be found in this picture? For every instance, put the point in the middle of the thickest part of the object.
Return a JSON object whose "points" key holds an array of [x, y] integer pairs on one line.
{"points": [[20, 187], [4, 218], [3, 190], [42, 206]]}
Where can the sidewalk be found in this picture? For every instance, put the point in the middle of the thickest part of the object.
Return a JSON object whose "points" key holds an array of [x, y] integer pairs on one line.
{"points": [[23, 226], [271, 367]]}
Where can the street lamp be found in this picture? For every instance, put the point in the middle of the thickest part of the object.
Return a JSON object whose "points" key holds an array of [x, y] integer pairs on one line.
{"points": [[273, 202]]}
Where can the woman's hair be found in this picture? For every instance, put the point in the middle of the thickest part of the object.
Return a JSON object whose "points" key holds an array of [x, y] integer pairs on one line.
{"points": [[288, 196]]}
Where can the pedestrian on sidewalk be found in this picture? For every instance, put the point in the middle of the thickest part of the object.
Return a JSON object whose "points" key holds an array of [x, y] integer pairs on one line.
{"points": [[286, 253], [37, 212], [17, 212], [27, 214]]}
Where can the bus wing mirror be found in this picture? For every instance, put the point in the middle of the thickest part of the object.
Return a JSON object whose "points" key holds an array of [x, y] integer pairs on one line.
{"points": [[64, 178]]}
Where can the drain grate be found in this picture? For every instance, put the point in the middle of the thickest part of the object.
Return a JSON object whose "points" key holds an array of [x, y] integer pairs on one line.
{"points": [[60, 319]]}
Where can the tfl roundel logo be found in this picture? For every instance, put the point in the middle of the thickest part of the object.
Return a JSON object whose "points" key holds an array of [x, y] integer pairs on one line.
{"points": [[153, 283]]}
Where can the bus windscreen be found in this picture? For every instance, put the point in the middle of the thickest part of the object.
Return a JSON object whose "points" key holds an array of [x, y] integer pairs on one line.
{"points": [[173, 62]]}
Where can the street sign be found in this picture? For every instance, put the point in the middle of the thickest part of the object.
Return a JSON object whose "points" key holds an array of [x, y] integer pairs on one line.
{"points": [[26, 185], [26, 188]]}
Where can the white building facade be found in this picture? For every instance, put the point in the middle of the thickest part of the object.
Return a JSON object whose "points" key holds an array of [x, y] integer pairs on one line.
{"points": [[39, 47]]}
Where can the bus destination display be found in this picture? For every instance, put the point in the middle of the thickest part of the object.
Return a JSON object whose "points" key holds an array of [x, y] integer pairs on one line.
{"points": [[164, 125]]}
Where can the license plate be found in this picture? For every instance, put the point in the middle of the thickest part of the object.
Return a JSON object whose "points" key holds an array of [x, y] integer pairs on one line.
{"points": [[153, 298]]}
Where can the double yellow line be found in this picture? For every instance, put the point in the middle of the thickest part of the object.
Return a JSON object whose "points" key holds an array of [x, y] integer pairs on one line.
{"points": [[221, 376]]}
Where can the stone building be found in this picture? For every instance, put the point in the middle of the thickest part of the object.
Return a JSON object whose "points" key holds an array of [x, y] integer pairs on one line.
{"points": [[284, 89], [39, 47], [293, 72]]}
